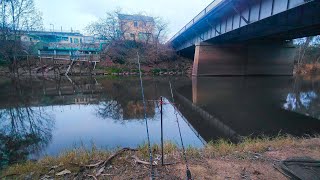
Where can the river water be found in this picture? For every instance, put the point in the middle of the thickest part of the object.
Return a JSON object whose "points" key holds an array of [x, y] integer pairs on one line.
{"points": [[45, 115]]}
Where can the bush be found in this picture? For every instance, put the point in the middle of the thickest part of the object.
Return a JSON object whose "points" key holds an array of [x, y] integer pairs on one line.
{"points": [[124, 51], [156, 71]]}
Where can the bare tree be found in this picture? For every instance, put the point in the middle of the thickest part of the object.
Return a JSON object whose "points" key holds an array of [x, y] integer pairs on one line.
{"points": [[161, 30], [17, 16], [303, 43], [107, 28]]}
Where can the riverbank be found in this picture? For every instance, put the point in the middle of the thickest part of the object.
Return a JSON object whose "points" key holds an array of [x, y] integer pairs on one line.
{"points": [[253, 158], [106, 68], [181, 67]]}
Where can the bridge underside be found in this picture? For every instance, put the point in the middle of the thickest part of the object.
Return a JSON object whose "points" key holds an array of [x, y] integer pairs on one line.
{"points": [[258, 48]]}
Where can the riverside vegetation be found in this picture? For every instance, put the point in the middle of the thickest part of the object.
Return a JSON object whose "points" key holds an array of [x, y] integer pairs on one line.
{"points": [[252, 158]]}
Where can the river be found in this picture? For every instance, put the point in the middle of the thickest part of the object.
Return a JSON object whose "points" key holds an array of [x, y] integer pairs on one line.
{"points": [[45, 115]]}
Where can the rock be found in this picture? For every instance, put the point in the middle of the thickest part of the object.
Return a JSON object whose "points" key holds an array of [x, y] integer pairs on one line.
{"points": [[270, 148], [54, 167], [64, 172], [46, 177], [100, 172], [29, 176]]}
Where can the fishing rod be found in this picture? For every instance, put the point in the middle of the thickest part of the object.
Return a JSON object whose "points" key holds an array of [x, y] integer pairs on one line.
{"points": [[188, 172], [145, 117]]}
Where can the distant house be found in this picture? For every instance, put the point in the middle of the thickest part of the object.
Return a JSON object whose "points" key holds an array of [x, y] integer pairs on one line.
{"points": [[52, 37], [62, 43], [137, 27]]}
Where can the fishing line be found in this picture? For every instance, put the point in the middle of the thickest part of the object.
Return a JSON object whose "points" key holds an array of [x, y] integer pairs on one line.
{"points": [[145, 117], [181, 140]]}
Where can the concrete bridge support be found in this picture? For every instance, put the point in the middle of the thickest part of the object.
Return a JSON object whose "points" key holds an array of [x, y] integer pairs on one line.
{"points": [[258, 58]]}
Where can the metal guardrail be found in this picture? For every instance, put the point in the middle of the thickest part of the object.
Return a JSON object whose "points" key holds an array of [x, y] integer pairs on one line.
{"points": [[204, 12]]}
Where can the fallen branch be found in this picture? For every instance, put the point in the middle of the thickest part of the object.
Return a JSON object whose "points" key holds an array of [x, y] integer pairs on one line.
{"points": [[100, 171], [116, 154], [139, 161], [103, 163], [94, 165], [93, 176]]}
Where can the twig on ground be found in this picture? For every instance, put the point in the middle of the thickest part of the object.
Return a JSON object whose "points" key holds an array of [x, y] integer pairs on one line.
{"points": [[139, 161], [93, 176], [95, 165]]}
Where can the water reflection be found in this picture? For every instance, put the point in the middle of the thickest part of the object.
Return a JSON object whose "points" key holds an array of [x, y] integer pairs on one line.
{"points": [[49, 115], [305, 98], [24, 130], [251, 106], [45, 116]]}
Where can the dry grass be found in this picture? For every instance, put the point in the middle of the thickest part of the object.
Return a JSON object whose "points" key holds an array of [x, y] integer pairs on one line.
{"points": [[169, 148], [223, 147], [71, 160], [75, 159]]}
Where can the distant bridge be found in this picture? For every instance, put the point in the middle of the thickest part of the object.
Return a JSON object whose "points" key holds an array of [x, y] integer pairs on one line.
{"points": [[246, 37]]}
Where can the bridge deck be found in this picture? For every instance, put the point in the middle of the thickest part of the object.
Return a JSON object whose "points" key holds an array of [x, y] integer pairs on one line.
{"points": [[226, 20]]}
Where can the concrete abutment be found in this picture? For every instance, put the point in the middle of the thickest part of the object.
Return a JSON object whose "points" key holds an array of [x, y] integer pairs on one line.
{"points": [[258, 58]]}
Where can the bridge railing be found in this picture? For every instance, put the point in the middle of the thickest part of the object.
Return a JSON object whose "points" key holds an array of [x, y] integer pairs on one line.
{"points": [[197, 18]]}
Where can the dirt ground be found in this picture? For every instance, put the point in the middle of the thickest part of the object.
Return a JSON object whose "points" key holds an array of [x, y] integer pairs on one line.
{"points": [[244, 165]]}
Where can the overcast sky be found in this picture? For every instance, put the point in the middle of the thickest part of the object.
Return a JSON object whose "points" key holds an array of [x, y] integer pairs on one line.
{"points": [[77, 14]]}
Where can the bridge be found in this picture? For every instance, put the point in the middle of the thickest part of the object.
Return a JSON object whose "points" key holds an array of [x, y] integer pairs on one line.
{"points": [[247, 37]]}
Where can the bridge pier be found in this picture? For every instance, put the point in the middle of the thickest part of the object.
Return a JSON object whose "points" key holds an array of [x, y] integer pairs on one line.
{"points": [[258, 58]]}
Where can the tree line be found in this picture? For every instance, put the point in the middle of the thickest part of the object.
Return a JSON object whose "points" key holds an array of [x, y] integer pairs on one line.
{"points": [[16, 17]]}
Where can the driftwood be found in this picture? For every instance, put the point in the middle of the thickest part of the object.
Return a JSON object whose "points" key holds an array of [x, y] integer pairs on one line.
{"points": [[116, 154], [64, 172], [139, 161], [104, 163], [94, 165]]}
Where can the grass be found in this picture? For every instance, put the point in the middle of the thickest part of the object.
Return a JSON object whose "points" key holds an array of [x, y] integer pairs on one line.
{"points": [[169, 148], [112, 70], [71, 160], [258, 145], [74, 159]]}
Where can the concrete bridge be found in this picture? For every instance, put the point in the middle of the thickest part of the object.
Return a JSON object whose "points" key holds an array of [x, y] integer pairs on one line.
{"points": [[247, 37]]}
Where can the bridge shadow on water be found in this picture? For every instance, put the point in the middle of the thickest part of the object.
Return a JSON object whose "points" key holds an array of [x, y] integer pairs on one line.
{"points": [[230, 107]]}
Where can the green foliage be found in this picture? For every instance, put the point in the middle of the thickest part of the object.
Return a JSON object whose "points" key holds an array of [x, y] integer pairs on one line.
{"points": [[155, 71]]}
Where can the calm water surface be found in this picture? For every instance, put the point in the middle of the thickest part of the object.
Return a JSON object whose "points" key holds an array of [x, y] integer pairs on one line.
{"points": [[44, 116]]}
